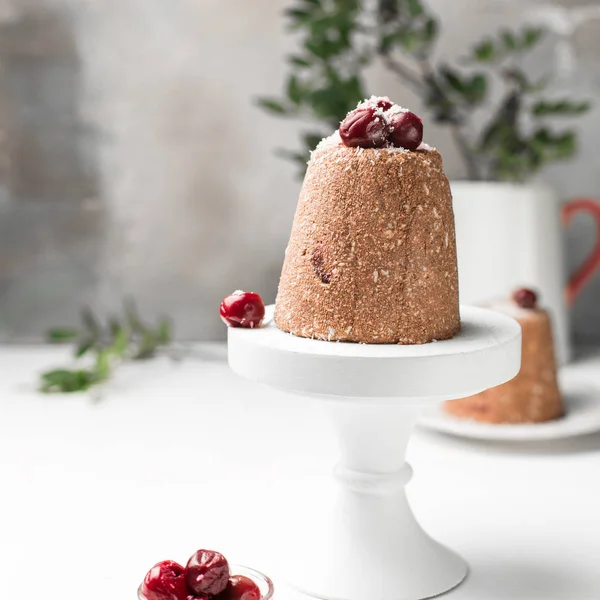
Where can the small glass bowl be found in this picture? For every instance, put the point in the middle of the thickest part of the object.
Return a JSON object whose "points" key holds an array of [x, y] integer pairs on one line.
{"points": [[265, 585]]}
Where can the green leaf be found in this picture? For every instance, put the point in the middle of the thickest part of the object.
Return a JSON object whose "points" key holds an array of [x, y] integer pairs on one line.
{"points": [[316, 49], [509, 40], [431, 30], [84, 347], [116, 340], [530, 37], [66, 381], [120, 343], [566, 146], [471, 90], [545, 108], [556, 146], [102, 371], [485, 51], [163, 333], [415, 8], [477, 89], [299, 61], [272, 105], [298, 16], [295, 91], [56, 376], [454, 80], [58, 335], [535, 157], [326, 48], [582, 107]]}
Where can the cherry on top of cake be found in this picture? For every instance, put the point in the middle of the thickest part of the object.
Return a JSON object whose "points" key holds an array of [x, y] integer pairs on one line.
{"points": [[521, 304], [380, 123], [525, 298]]}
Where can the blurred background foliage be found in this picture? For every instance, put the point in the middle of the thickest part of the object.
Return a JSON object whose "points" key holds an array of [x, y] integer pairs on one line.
{"points": [[340, 39]]}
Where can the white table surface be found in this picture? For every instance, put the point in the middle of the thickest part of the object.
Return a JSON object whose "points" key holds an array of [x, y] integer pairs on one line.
{"points": [[184, 456]]}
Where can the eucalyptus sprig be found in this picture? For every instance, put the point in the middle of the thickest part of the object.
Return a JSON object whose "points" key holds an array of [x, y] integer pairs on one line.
{"points": [[340, 39], [105, 346]]}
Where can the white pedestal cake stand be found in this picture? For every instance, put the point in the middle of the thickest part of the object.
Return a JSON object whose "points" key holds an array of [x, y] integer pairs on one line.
{"points": [[362, 541]]}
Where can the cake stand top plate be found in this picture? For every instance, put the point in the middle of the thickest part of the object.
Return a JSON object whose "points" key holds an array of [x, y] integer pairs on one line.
{"points": [[485, 353]]}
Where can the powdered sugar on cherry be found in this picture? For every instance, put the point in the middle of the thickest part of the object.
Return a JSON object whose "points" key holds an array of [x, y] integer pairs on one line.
{"points": [[379, 123]]}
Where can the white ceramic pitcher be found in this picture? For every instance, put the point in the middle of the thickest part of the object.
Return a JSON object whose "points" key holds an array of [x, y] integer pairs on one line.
{"points": [[509, 236]]}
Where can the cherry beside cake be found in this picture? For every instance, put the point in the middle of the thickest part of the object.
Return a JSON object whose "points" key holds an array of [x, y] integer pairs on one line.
{"points": [[533, 395], [242, 309], [372, 253]]}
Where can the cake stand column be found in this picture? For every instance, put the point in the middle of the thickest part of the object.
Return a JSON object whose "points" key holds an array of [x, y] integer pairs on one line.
{"points": [[359, 538], [373, 433]]}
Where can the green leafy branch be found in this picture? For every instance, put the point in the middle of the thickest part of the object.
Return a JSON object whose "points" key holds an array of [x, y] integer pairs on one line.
{"points": [[325, 81], [340, 39], [106, 345]]}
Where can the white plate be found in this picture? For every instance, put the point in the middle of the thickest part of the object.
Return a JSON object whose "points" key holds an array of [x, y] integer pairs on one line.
{"points": [[582, 404]]}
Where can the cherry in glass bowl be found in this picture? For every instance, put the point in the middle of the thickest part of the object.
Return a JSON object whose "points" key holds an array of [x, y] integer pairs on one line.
{"points": [[265, 585]]}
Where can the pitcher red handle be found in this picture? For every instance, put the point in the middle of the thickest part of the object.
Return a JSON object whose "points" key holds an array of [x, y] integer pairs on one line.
{"points": [[584, 273]]}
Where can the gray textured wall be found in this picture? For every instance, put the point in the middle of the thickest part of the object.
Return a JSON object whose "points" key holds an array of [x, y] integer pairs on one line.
{"points": [[132, 160]]}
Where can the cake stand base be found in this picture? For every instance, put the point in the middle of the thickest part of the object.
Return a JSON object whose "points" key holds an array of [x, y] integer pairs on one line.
{"points": [[362, 538], [357, 539]]}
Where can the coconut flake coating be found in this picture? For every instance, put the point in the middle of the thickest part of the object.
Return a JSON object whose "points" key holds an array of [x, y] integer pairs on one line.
{"points": [[372, 253]]}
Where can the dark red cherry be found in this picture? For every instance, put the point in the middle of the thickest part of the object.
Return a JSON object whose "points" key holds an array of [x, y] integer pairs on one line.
{"points": [[406, 129], [207, 572], [384, 103], [525, 298], [242, 309], [165, 581], [364, 128], [240, 588]]}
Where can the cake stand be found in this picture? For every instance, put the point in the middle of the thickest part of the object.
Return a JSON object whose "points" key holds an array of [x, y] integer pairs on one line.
{"points": [[360, 539]]}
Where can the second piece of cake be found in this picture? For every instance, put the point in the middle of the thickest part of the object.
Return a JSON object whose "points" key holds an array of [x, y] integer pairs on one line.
{"points": [[533, 395]]}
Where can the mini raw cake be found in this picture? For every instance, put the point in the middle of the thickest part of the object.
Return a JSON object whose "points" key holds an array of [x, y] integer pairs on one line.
{"points": [[533, 395], [372, 253]]}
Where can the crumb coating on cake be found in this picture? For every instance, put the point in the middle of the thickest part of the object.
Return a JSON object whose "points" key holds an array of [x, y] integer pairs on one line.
{"points": [[372, 253]]}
